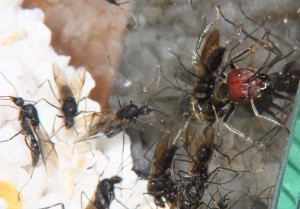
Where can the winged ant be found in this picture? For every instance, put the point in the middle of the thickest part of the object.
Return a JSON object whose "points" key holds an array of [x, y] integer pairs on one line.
{"points": [[160, 184], [104, 193], [36, 137], [111, 122], [69, 95], [200, 175]]}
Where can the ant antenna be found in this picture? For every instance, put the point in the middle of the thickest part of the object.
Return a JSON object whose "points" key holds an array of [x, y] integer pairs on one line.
{"points": [[269, 65], [115, 80], [201, 37], [238, 33], [10, 84]]}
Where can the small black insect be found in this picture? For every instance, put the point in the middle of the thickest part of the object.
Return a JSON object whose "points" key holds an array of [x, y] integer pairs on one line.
{"points": [[161, 185], [69, 91], [111, 122], [36, 137], [104, 194]]}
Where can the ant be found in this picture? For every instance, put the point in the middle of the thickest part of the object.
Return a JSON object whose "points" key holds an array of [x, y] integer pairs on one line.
{"points": [[36, 137], [68, 96], [160, 183], [111, 122], [105, 191], [104, 194], [69, 93], [196, 180]]}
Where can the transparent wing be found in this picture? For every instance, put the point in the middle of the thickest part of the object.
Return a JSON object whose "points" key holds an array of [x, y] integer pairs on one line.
{"points": [[61, 81], [48, 152], [76, 82], [160, 150], [211, 44], [101, 122], [194, 139], [90, 204]]}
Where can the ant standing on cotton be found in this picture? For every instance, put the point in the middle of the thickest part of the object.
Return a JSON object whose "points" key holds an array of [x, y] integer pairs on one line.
{"points": [[69, 95], [36, 137]]}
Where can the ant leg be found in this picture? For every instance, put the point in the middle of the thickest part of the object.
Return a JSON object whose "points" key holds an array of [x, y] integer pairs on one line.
{"points": [[273, 115], [19, 194], [237, 132], [39, 86], [266, 118], [240, 28], [247, 34], [51, 206], [224, 155], [12, 137], [280, 96], [250, 48], [121, 203], [147, 200]]}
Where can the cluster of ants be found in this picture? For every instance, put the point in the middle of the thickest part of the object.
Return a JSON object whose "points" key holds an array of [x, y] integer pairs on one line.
{"points": [[214, 96]]}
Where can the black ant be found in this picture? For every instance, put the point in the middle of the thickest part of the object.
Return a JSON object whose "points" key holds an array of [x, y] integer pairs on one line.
{"points": [[198, 178], [104, 194], [36, 137], [111, 122], [192, 185], [69, 93], [160, 183]]}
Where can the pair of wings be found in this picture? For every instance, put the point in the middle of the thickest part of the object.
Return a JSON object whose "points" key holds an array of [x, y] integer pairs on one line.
{"points": [[68, 87]]}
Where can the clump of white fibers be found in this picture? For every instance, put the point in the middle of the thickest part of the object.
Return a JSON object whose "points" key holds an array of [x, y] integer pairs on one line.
{"points": [[26, 59]]}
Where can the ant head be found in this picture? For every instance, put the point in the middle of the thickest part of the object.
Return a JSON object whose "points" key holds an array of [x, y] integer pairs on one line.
{"points": [[116, 179], [18, 101], [144, 110]]}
